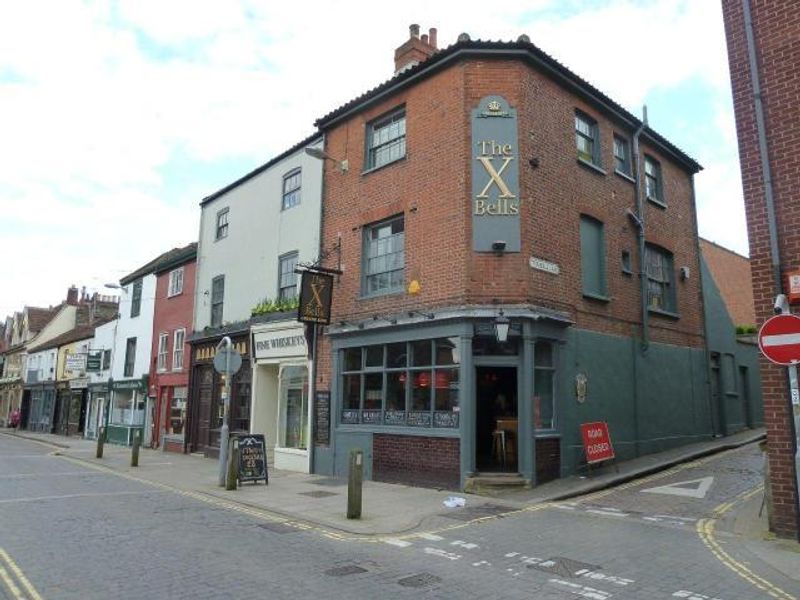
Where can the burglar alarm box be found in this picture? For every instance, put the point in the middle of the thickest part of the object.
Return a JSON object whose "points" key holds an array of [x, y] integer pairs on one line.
{"points": [[793, 285]]}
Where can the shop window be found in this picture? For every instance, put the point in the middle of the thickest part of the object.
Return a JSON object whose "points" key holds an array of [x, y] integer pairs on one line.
{"points": [[381, 386], [294, 408], [177, 410], [543, 386], [240, 403]]}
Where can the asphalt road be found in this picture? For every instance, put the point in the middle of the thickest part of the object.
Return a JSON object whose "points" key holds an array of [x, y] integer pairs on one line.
{"points": [[70, 531]]}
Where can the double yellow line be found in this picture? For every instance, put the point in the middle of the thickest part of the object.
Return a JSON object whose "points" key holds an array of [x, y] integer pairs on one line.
{"points": [[14, 579], [705, 529]]}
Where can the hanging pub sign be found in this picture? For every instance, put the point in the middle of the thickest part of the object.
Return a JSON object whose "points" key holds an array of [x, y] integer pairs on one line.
{"points": [[316, 292], [252, 458], [495, 177]]}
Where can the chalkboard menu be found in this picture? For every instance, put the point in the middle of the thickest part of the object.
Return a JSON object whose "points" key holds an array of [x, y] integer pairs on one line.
{"points": [[252, 458], [322, 410], [445, 419]]}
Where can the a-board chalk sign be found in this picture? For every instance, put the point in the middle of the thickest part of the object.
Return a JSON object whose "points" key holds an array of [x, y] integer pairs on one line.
{"points": [[252, 457]]}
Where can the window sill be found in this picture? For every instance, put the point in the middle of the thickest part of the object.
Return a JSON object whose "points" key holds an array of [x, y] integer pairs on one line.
{"points": [[591, 165], [657, 202], [664, 313], [175, 294], [627, 272], [373, 295], [625, 176], [383, 166], [596, 297]]}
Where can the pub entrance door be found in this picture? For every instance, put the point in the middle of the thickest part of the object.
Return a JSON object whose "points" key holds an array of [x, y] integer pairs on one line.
{"points": [[496, 430]]}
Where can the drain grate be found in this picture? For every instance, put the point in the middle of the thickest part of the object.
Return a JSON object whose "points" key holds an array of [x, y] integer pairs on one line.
{"points": [[317, 494], [345, 570], [419, 581], [476, 512], [565, 567], [330, 481], [277, 527]]}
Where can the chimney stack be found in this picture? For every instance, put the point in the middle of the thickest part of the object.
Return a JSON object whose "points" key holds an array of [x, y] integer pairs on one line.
{"points": [[415, 50], [72, 295]]}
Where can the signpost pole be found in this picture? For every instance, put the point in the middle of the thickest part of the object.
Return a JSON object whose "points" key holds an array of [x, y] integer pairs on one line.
{"points": [[226, 394]]}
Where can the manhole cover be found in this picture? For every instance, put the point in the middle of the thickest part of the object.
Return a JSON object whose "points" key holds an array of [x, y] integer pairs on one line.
{"points": [[565, 567], [420, 580], [475, 512], [278, 527], [345, 570], [331, 481], [317, 494]]}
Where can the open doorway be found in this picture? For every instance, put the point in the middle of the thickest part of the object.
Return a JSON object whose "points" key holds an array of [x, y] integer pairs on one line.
{"points": [[496, 419]]}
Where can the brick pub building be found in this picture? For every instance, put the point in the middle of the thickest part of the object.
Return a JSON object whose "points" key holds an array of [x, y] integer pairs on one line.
{"points": [[491, 229], [763, 52]]}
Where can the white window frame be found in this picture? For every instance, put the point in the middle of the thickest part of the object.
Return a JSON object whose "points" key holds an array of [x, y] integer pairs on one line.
{"points": [[175, 282], [177, 349], [386, 139], [163, 351]]}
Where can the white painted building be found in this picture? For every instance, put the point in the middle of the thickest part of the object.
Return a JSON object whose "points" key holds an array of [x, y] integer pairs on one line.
{"points": [[102, 354], [253, 233]]}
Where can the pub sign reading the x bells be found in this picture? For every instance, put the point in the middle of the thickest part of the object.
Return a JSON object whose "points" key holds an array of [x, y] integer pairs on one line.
{"points": [[316, 291]]}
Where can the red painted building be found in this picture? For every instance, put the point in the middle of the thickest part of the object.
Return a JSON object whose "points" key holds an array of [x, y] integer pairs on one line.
{"points": [[169, 370], [763, 53]]}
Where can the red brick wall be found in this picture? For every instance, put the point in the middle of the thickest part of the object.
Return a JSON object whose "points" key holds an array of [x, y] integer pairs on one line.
{"points": [[733, 278], [776, 24], [417, 460]]}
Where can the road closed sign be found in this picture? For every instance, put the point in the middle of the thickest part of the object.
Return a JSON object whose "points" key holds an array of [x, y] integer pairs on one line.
{"points": [[596, 442]]}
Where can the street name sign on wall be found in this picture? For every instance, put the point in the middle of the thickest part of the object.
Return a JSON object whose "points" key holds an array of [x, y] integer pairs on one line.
{"points": [[779, 339], [252, 458], [596, 442], [495, 176], [316, 292]]}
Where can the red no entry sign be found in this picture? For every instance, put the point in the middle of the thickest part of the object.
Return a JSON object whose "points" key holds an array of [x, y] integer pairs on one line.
{"points": [[779, 339]]}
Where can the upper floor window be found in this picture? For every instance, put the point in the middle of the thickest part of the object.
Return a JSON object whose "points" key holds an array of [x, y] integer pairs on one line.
{"points": [[177, 349], [217, 297], [291, 189], [653, 184], [587, 138], [384, 256], [386, 139], [222, 223], [163, 344], [287, 278], [136, 298], [130, 357], [175, 282], [660, 279], [593, 257], [622, 155]]}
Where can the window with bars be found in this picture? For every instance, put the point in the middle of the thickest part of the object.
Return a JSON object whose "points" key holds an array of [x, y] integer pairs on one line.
{"points": [[660, 279], [410, 384], [177, 349], [175, 282], [653, 184], [136, 298], [287, 278], [622, 155], [291, 189], [222, 223], [386, 139], [384, 257], [217, 298], [163, 349], [587, 138]]}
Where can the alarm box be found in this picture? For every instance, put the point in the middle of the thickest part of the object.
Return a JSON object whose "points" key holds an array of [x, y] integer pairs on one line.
{"points": [[793, 286]]}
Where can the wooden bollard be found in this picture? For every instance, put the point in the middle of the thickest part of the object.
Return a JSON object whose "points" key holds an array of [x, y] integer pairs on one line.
{"points": [[137, 440], [232, 476], [101, 440], [355, 483]]}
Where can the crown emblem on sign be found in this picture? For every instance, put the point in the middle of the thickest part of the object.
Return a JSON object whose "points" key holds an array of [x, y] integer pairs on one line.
{"points": [[493, 106]]}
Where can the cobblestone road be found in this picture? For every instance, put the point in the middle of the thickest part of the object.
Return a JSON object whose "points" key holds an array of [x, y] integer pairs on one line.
{"points": [[73, 532]]}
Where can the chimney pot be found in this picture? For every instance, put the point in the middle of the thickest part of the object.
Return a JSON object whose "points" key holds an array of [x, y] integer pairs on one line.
{"points": [[424, 38], [72, 295], [413, 30], [432, 36]]}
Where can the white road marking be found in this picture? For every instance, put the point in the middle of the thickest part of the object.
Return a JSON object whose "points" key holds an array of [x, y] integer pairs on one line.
{"points": [[396, 542], [608, 513], [565, 506], [603, 577], [88, 495], [692, 595], [430, 537], [481, 563], [582, 590], [462, 544], [698, 488], [512, 554], [442, 553], [687, 519]]}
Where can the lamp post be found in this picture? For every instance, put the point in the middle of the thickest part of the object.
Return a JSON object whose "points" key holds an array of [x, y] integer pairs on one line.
{"points": [[224, 433], [501, 327]]}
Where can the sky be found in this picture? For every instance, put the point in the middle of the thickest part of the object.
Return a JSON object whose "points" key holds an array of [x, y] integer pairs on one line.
{"points": [[117, 118]]}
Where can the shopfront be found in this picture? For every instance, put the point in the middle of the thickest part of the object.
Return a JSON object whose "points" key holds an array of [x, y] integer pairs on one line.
{"points": [[281, 408], [436, 402], [128, 409], [205, 401], [96, 406], [41, 415]]}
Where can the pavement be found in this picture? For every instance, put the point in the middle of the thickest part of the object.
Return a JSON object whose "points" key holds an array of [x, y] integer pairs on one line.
{"points": [[320, 502]]}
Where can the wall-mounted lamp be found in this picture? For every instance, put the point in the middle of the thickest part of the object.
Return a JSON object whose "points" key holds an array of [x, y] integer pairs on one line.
{"points": [[116, 286], [498, 247], [686, 272], [344, 165], [501, 327]]}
